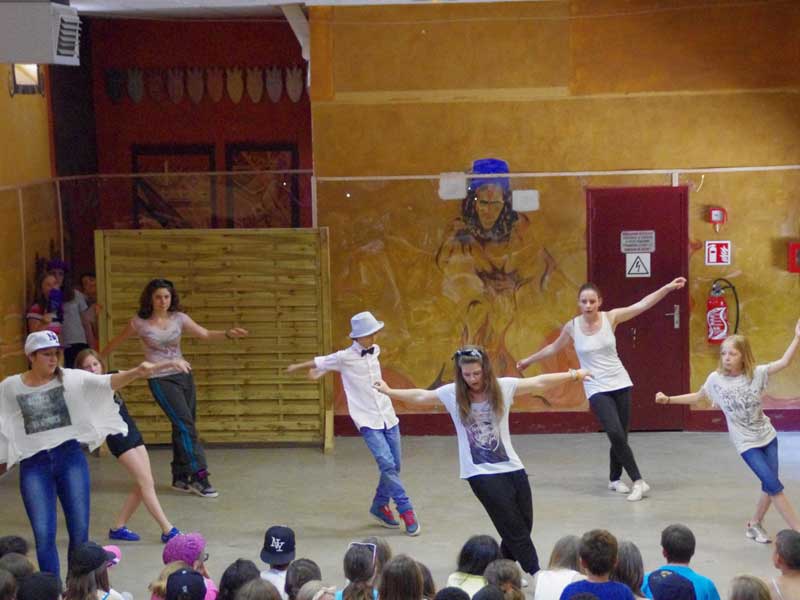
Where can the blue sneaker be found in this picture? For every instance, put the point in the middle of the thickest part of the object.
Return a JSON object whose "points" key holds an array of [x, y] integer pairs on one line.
{"points": [[410, 519], [124, 534], [383, 514], [165, 537]]}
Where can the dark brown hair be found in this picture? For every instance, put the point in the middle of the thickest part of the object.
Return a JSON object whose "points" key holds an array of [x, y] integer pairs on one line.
{"points": [[505, 574], [467, 355], [590, 286], [146, 299], [599, 551], [258, 589]]}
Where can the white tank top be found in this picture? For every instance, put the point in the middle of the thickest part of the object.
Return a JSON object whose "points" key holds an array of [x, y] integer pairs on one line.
{"points": [[597, 353], [550, 584]]}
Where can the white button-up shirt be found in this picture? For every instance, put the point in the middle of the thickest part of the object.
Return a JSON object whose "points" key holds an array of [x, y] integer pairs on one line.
{"points": [[368, 407]]}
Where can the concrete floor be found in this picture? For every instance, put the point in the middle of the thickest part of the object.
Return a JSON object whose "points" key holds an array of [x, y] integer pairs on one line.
{"points": [[697, 479]]}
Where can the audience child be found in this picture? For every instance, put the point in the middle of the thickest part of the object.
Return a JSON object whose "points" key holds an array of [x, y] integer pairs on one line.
{"points": [[45, 314], [13, 543], [505, 574], [88, 574], [316, 590], [678, 546], [598, 552], [564, 568], [300, 572], [475, 556], [39, 586], [191, 549], [359, 570], [786, 559], [747, 587], [186, 584], [158, 588], [489, 592], [630, 568], [278, 551], [383, 553], [401, 580], [258, 589], [428, 585], [18, 565], [235, 576]]}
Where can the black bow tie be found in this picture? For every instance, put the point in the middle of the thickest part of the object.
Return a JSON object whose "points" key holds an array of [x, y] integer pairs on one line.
{"points": [[370, 350]]}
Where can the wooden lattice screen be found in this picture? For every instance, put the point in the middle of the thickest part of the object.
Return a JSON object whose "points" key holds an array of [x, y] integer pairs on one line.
{"points": [[273, 282]]}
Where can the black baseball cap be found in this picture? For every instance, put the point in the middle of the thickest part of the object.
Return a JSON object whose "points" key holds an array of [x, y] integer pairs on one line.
{"points": [[278, 546], [89, 557], [185, 584]]}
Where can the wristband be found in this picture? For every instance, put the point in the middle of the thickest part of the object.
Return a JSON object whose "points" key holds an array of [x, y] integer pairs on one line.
{"points": [[669, 400], [574, 374]]}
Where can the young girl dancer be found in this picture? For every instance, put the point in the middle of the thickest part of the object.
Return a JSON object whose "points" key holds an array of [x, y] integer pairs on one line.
{"points": [[609, 389], [736, 387], [160, 325], [479, 405], [129, 450]]}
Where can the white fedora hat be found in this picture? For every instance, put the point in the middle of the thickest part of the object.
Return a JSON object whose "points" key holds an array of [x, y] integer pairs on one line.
{"points": [[363, 324]]}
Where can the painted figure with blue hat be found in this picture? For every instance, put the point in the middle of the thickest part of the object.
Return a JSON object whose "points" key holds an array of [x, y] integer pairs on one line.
{"points": [[492, 261]]}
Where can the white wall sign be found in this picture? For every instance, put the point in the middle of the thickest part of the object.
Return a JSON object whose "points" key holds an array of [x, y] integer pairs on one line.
{"points": [[718, 252], [637, 265], [637, 242]]}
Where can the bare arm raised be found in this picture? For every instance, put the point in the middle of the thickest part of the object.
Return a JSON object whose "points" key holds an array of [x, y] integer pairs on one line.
{"points": [[626, 313], [198, 331], [551, 349], [787, 357], [691, 398], [412, 395], [542, 383]]}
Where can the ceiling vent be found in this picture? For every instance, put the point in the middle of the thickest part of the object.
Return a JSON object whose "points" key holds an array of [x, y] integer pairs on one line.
{"points": [[39, 32]]}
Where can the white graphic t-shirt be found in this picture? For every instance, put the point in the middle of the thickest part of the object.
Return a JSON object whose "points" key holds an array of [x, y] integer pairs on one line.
{"points": [[39, 418], [484, 442], [740, 400]]}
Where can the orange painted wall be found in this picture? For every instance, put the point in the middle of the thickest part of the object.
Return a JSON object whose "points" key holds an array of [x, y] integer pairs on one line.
{"points": [[555, 86], [24, 158]]}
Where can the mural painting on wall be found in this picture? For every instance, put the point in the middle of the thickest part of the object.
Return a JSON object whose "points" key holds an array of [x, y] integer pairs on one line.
{"points": [[183, 196], [262, 199], [443, 275]]}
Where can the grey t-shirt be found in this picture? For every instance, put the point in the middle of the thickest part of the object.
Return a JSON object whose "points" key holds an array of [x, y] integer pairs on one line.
{"points": [[72, 331], [740, 400]]}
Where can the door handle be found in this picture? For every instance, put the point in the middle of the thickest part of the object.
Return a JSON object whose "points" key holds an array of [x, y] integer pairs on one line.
{"points": [[676, 316]]}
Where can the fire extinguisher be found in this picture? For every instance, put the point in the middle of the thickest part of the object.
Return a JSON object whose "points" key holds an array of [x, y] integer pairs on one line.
{"points": [[717, 312]]}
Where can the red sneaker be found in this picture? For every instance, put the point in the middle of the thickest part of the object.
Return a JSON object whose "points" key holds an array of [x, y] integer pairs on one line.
{"points": [[410, 519], [383, 514]]}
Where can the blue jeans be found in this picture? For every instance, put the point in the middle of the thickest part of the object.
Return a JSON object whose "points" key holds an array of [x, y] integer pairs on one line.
{"points": [[385, 447], [61, 472], [764, 463]]}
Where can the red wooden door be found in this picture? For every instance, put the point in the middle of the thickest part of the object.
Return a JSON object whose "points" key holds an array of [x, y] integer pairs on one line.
{"points": [[651, 225]]}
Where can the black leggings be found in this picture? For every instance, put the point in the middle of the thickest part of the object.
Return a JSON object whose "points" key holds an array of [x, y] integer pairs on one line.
{"points": [[508, 501], [613, 410]]}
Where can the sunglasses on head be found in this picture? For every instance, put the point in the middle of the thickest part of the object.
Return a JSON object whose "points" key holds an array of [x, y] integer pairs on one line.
{"points": [[468, 352]]}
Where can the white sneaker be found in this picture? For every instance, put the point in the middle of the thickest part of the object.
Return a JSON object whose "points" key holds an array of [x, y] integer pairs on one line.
{"points": [[640, 489], [756, 532], [524, 582], [619, 486]]}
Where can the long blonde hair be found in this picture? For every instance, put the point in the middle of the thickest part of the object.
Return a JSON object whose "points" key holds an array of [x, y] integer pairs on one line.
{"points": [[742, 345], [476, 355]]}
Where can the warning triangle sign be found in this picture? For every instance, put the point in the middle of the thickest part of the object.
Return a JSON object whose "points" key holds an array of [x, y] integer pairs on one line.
{"points": [[638, 267]]}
